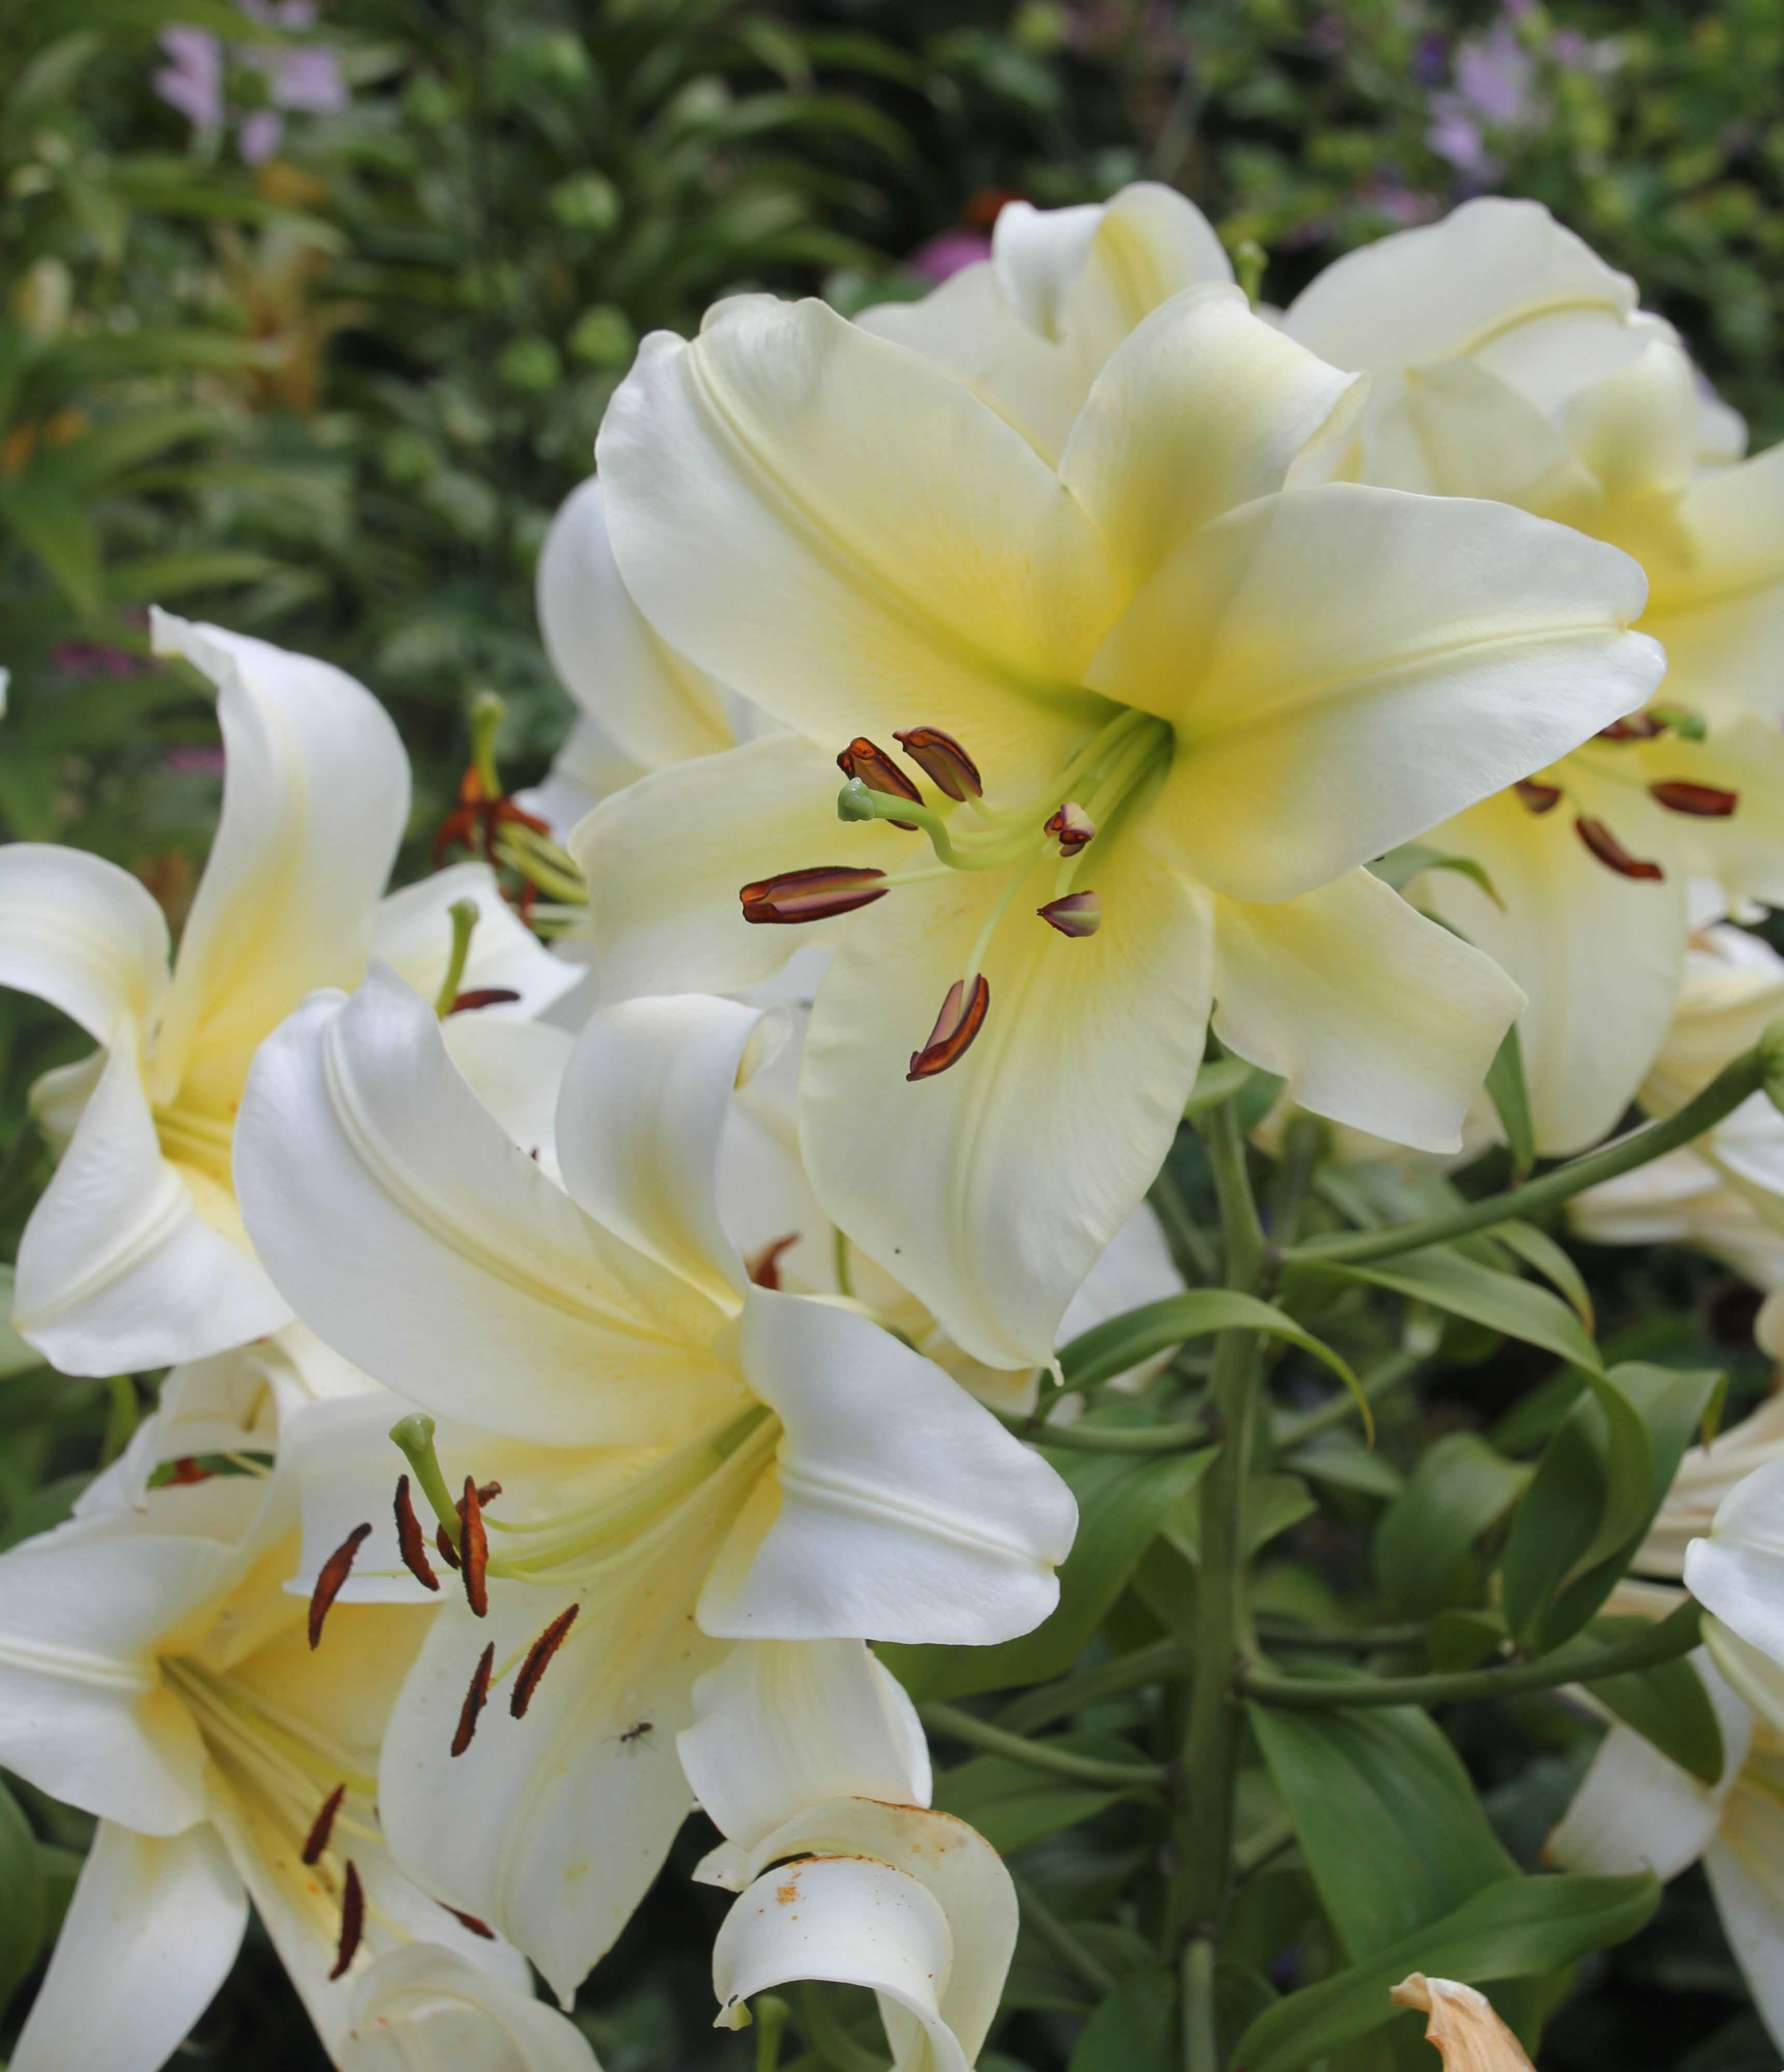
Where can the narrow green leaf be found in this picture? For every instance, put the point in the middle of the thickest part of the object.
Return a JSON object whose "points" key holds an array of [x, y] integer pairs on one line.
{"points": [[1111, 1348], [51, 525], [1519, 1928], [1012, 1804], [1510, 1097], [1134, 2028], [1219, 1079], [1536, 1248], [21, 1898], [1460, 1487], [1667, 1705]]}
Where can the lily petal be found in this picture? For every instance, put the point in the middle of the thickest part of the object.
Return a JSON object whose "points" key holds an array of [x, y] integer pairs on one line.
{"points": [[118, 1269], [363, 1158], [1742, 1865], [1375, 1016], [1345, 666], [149, 1935], [79, 932], [1738, 1572], [1721, 613], [907, 1511], [413, 934], [778, 1724], [425, 2008]]}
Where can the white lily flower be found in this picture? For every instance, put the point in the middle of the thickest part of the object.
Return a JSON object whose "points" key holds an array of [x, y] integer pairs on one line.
{"points": [[155, 1671], [1249, 689], [914, 1905], [1737, 1573], [426, 2009], [135, 1256], [1506, 360], [1636, 1811], [732, 1463], [1468, 2035]]}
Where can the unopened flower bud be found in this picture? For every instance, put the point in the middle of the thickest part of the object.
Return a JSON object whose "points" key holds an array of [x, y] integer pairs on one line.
{"points": [[1469, 2036], [1078, 914]]}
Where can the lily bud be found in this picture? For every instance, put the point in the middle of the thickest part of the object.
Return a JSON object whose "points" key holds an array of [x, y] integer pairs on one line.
{"points": [[815, 895], [1703, 801], [863, 760], [943, 760], [1078, 914], [1469, 2036], [1071, 827]]}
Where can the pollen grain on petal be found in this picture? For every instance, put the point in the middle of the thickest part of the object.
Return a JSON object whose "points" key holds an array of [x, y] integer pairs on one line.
{"points": [[538, 1660], [812, 894], [323, 1825], [473, 1549], [943, 760], [1703, 802], [1611, 853], [334, 1571], [962, 1017], [1077, 914], [867, 760], [476, 1697], [410, 1542], [352, 1920]]}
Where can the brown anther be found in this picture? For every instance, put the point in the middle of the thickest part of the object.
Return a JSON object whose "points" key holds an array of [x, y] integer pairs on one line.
{"points": [[814, 894], [470, 1920], [538, 1660], [1071, 827], [943, 761], [1703, 801], [410, 1543], [473, 1549], [1539, 798], [867, 760], [186, 1470], [764, 1269], [482, 996], [448, 1552], [334, 1571], [323, 1825], [1611, 853], [1636, 726], [487, 1494], [352, 1920], [475, 819], [962, 1017], [1077, 915], [475, 1699]]}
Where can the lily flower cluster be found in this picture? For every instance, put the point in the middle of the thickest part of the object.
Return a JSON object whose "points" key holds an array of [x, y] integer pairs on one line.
{"points": [[591, 1326]]}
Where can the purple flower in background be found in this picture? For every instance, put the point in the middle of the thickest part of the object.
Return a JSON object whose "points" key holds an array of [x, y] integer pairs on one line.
{"points": [[307, 79], [947, 254], [1400, 203], [1494, 75], [1455, 135], [196, 761], [193, 82]]}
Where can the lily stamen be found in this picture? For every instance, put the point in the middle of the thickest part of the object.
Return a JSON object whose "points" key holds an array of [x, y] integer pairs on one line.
{"points": [[410, 1543], [813, 894], [334, 1574], [865, 760], [1536, 796], [1076, 914], [1703, 801], [1609, 852], [1071, 827], [538, 1660], [962, 1017], [352, 1920], [316, 1841], [476, 1697], [474, 1547], [942, 760]]}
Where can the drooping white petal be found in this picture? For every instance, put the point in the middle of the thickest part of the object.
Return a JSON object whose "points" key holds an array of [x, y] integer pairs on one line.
{"points": [[1636, 428], [79, 932], [906, 1511], [1738, 1572], [1345, 666], [314, 804], [655, 705], [516, 1069], [1066, 1102], [1721, 611], [412, 934], [364, 1161], [1475, 435], [667, 857], [150, 1934], [118, 1271], [1745, 1867], [1203, 408], [781, 1724], [853, 537], [639, 1123], [1375, 1016], [427, 2010]]}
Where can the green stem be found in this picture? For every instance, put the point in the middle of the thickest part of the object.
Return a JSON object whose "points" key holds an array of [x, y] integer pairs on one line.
{"points": [[463, 914], [1201, 2036], [1060, 1938], [1256, 1851], [771, 2014], [1732, 1085], [1365, 1640], [1164, 1662], [1040, 1755], [1113, 1438], [1182, 1228], [1382, 1380], [1202, 1829], [831, 2041], [1674, 1636]]}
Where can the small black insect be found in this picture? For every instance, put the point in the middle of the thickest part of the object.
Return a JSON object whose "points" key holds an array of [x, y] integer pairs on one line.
{"points": [[637, 1733]]}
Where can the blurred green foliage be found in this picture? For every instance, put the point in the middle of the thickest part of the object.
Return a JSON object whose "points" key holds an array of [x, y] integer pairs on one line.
{"points": [[333, 396]]}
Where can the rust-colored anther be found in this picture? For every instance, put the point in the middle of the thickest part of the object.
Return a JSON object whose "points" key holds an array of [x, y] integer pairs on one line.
{"points": [[476, 1697], [476, 819], [943, 761], [323, 1825], [962, 1017], [538, 1660], [764, 1269], [1611, 853], [186, 1470], [814, 894], [482, 996], [1071, 827], [1539, 798], [1637, 726], [1703, 801], [334, 1571], [1077, 915], [867, 760], [473, 1549], [470, 1920], [448, 1552], [352, 1920], [410, 1542]]}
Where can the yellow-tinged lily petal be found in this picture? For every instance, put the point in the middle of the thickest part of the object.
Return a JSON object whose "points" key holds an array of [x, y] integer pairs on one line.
{"points": [[1469, 2036], [83, 935], [412, 934], [425, 2006]]}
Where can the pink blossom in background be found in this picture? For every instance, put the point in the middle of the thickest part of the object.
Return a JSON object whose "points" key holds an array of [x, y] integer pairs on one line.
{"points": [[945, 255], [307, 79], [259, 136], [193, 82], [1455, 135]]}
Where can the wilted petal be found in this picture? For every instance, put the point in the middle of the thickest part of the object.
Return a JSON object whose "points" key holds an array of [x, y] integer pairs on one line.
{"points": [[1469, 2036]]}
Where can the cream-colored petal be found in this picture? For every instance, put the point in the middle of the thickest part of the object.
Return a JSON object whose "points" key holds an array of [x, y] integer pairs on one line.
{"points": [[779, 1725], [666, 858], [1733, 989], [515, 1069], [1745, 1867], [852, 538], [1345, 666], [584, 772], [657, 707], [79, 932], [427, 2010], [119, 1269], [1476, 436], [1066, 1101], [150, 1934], [313, 805], [1203, 408], [423, 1245], [1737, 1573], [412, 934], [1636, 430], [1148, 243], [1375, 1016], [1599, 956]]}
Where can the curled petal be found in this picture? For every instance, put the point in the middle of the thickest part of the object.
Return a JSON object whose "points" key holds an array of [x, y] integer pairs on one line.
{"points": [[1468, 2035]]}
